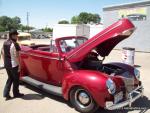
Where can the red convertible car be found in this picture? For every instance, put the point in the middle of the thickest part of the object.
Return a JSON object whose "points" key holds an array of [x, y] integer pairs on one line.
{"points": [[72, 67]]}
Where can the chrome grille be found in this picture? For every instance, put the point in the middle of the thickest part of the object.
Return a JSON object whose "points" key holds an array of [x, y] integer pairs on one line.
{"points": [[129, 84]]}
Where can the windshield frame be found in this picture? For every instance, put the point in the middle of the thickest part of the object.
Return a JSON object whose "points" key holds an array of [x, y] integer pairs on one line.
{"points": [[59, 40]]}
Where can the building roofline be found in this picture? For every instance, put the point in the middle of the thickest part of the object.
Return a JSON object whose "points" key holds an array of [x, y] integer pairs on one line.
{"points": [[127, 5]]}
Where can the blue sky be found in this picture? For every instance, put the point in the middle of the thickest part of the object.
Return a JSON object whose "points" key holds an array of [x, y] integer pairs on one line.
{"points": [[44, 13]]}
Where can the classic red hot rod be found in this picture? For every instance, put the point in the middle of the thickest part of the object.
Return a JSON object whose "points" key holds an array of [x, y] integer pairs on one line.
{"points": [[72, 67]]}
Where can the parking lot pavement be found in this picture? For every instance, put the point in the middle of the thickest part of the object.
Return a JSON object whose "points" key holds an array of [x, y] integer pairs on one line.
{"points": [[36, 101]]}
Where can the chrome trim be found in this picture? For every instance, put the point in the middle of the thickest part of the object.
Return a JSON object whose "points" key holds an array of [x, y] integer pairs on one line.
{"points": [[84, 101], [129, 84], [130, 99], [137, 73], [84, 98], [128, 32], [56, 90], [41, 56], [111, 86]]}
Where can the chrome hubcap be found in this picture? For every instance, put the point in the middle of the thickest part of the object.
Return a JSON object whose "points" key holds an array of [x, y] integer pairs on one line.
{"points": [[84, 98]]}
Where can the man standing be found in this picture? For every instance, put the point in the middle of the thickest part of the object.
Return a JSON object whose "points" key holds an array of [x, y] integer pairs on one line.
{"points": [[10, 54]]}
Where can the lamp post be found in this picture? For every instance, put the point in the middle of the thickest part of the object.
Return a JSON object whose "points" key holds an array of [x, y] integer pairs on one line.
{"points": [[28, 21]]}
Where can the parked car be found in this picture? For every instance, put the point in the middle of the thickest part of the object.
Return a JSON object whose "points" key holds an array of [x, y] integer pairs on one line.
{"points": [[4, 36], [25, 39], [72, 67]]}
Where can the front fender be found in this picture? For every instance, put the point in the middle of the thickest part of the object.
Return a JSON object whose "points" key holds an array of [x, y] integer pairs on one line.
{"points": [[93, 81]]}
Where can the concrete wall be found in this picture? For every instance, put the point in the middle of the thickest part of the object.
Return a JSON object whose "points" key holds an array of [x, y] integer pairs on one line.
{"points": [[94, 29], [140, 39]]}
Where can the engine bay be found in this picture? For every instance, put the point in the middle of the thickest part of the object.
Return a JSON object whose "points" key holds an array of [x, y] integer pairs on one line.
{"points": [[91, 62]]}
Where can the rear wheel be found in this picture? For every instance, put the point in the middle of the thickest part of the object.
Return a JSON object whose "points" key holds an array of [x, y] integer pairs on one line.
{"points": [[82, 100]]}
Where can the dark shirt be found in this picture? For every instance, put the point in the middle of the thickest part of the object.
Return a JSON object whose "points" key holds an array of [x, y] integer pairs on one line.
{"points": [[10, 47]]}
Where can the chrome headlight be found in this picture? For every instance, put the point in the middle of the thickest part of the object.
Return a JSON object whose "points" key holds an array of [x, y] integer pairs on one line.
{"points": [[111, 86], [137, 73]]}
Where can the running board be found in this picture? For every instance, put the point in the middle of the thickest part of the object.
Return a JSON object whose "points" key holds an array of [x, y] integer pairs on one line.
{"points": [[48, 88]]}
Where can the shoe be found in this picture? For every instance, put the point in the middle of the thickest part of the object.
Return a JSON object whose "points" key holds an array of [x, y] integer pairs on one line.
{"points": [[19, 95], [8, 97]]}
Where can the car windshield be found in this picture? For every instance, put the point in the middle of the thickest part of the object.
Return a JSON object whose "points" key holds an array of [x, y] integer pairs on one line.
{"points": [[67, 45], [21, 38]]}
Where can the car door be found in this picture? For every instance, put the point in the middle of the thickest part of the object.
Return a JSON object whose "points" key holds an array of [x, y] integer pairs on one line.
{"points": [[35, 65], [45, 66]]}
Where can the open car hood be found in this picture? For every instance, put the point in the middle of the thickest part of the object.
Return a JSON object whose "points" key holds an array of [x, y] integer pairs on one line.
{"points": [[104, 41]]}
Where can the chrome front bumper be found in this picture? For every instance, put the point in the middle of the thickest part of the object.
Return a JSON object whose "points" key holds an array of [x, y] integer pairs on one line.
{"points": [[131, 98]]}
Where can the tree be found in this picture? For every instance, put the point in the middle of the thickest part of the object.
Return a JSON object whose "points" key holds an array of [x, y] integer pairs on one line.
{"points": [[7, 23], [47, 29], [84, 17], [63, 22], [2, 28], [96, 18], [25, 28], [75, 20], [90, 18], [16, 22]]}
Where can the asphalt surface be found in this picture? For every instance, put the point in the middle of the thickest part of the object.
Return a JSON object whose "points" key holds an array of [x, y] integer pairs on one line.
{"points": [[37, 101]]}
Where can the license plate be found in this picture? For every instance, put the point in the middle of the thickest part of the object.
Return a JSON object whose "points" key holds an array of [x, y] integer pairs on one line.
{"points": [[118, 97]]}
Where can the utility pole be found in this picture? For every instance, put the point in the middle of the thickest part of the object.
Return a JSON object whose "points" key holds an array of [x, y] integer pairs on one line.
{"points": [[28, 21]]}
